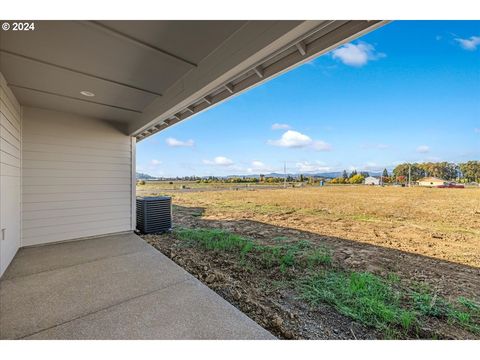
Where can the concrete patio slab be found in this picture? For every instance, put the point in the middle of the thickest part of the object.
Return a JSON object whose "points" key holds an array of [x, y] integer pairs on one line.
{"points": [[35, 259], [104, 293], [188, 310]]}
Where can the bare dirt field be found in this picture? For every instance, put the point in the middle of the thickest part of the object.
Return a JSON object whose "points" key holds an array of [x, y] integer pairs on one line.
{"points": [[423, 236], [161, 186], [438, 223]]}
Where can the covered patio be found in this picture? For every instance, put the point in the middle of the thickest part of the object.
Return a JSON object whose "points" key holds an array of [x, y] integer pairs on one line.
{"points": [[75, 98], [112, 287]]}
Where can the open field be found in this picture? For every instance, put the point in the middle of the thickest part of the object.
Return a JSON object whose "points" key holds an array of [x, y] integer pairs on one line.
{"points": [[425, 238], [439, 223], [159, 186]]}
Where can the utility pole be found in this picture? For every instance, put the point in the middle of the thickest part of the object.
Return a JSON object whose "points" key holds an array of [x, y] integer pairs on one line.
{"points": [[409, 175], [284, 174]]}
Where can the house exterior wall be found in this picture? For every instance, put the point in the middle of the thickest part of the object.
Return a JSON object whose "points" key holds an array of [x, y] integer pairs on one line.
{"points": [[77, 177], [10, 174], [431, 183], [370, 180]]}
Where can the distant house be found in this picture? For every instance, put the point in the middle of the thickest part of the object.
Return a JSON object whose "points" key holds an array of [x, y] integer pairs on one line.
{"points": [[431, 181], [370, 180]]}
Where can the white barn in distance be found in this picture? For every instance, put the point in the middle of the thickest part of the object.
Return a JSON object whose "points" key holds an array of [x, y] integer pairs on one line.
{"points": [[432, 181], [370, 180]]}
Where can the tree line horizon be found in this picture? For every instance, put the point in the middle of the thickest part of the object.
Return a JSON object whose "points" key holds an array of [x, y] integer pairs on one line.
{"points": [[462, 172]]}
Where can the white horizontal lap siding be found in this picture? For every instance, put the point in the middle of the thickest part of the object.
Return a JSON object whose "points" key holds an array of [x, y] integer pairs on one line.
{"points": [[10, 174], [77, 177]]}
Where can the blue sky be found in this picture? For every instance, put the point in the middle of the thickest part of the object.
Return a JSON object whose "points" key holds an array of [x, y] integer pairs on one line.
{"points": [[409, 91]]}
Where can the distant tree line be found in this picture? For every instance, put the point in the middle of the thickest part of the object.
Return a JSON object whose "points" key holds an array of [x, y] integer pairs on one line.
{"points": [[353, 178], [260, 179], [465, 172], [461, 172], [231, 179]]}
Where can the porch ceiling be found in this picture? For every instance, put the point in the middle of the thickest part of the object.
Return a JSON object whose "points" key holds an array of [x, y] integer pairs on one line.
{"points": [[148, 75]]}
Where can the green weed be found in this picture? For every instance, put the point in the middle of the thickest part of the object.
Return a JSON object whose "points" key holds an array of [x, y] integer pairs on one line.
{"points": [[319, 256], [282, 255], [364, 297], [214, 239], [379, 302]]}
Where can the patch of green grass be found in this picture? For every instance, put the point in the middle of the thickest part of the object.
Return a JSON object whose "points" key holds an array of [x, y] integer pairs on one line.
{"points": [[469, 304], [396, 310], [463, 312], [466, 318], [364, 297], [393, 278], [378, 302], [429, 304], [364, 217], [281, 255], [214, 239], [280, 239], [319, 256]]}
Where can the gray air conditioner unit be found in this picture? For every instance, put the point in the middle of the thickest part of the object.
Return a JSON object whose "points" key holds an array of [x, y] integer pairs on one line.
{"points": [[154, 214]]}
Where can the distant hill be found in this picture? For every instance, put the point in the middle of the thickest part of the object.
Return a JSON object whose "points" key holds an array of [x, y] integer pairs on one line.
{"points": [[142, 176], [326, 175]]}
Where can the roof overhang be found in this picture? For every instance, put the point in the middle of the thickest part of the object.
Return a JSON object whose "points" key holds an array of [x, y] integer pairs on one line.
{"points": [[149, 75]]}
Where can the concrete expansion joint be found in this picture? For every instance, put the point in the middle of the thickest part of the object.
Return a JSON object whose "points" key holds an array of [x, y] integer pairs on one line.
{"points": [[105, 308]]}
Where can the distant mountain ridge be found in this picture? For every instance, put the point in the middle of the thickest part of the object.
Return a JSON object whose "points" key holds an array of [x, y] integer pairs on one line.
{"points": [[326, 175], [142, 176]]}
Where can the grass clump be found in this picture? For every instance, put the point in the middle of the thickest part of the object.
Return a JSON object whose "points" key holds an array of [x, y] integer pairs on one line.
{"points": [[319, 256], [281, 255], [364, 297], [215, 239], [381, 302], [462, 312]]}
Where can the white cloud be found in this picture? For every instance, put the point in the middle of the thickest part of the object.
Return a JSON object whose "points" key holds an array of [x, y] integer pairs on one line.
{"points": [[315, 166], [278, 126], [151, 168], [470, 43], [179, 143], [295, 139], [477, 130], [259, 166], [423, 149], [292, 139], [220, 161], [356, 54]]}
